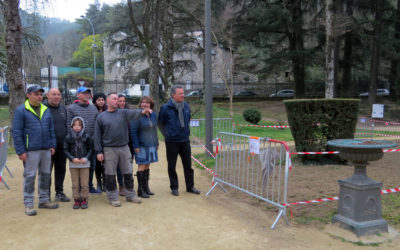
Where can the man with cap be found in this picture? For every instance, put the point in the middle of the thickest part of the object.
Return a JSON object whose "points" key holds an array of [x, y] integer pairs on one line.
{"points": [[35, 143], [58, 160], [83, 108]]}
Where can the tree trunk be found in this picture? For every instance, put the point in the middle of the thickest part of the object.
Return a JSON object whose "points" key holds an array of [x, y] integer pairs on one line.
{"points": [[329, 50], [13, 45], [394, 64], [375, 53], [154, 55], [168, 49], [150, 37], [347, 54], [296, 45]]}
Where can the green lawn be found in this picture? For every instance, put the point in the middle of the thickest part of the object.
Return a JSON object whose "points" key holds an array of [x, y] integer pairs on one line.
{"points": [[221, 110], [4, 116]]}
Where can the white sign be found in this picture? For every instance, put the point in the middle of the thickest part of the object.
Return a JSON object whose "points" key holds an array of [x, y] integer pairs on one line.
{"points": [[254, 145], [377, 110], [194, 123], [81, 82]]}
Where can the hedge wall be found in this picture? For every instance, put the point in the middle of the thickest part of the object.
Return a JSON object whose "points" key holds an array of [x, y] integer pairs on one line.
{"points": [[313, 122]]}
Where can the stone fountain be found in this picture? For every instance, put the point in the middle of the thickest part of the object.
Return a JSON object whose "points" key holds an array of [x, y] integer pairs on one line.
{"points": [[360, 207]]}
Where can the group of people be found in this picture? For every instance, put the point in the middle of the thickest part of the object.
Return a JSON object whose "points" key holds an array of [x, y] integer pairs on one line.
{"points": [[98, 139]]}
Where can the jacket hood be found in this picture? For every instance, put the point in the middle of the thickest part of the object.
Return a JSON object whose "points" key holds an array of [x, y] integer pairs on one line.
{"points": [[79, 118]]}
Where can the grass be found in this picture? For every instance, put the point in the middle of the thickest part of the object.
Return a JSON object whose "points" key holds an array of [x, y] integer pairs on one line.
{"points": [[390, 208], [4, 116], [221, 110]]}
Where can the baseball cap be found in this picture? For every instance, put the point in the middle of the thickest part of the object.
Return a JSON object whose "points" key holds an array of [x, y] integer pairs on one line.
{"points": [[83, 89], [34, 88]]}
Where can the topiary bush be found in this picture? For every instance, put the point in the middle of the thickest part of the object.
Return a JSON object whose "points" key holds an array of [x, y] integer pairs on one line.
{"points": [[252, 115], [313, 122]]}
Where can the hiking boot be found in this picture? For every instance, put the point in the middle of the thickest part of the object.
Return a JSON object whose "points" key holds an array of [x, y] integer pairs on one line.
{"points": [[134, 199], [61, 197], [77, 204], [84, 204], [49, 205], [30, 211], [116, 203], [92, 190]]}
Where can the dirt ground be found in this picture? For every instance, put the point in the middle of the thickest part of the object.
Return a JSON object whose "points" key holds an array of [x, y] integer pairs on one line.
{"points": [[220, 221]]}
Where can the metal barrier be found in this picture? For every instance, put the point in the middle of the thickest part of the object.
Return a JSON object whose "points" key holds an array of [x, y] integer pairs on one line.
{"points": [[198, 129], [256, 166], [370, 127], [4, 154]]}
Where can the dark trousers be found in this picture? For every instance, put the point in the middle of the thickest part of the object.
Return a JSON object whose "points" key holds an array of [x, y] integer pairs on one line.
{"points": [[99, 171], [184, 151], [92, 168], [58, 163]]}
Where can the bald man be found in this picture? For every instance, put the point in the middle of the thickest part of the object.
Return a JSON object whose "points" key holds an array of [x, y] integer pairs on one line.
{"points": [[58, 160]]}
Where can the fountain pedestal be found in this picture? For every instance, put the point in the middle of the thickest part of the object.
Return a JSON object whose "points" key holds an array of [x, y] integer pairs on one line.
{"points": [[360, 197]]}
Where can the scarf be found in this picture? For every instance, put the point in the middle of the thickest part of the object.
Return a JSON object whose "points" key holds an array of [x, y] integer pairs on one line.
{"points": [[77, 139], [179, 106]]}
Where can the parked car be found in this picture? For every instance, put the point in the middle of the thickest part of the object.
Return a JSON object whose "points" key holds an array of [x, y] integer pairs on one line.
{"points": [[379, 92], [283, 93], [196, 93], [244, 93]]}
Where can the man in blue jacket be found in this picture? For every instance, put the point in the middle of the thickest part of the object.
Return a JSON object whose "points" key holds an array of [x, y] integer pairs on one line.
{"points": [[173, 122], [35, 143]]}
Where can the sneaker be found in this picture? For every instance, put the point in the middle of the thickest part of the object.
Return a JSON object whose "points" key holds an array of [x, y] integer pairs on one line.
{"points": [[61, 197], [77, 204], [134, 199], [84, 204], [30, 211], [92, 190], [116, 203], [49, 205]]}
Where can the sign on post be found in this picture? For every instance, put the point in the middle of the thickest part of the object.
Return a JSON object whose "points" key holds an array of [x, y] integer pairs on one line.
{"points": [[377, 110]]}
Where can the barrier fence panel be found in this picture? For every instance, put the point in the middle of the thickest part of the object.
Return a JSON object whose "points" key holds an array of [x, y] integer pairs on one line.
{"points": [[198, 129], [367, 127], [256, 166], [4, 154]]}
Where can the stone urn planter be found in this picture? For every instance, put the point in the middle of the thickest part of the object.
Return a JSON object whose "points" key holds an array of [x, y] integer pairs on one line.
{"points": [[360, 207]]}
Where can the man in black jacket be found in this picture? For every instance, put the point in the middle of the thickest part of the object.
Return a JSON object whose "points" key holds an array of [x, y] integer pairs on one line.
{"points": [[58, 160]]}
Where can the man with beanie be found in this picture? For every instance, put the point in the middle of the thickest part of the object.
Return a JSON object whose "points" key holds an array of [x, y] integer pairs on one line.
{"points": [[35, 143], [173, 122], [58, 160], [88, 112], [111, 138]]}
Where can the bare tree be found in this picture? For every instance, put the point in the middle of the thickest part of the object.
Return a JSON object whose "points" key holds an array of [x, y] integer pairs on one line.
{"points": [[149, 35], [14, 53]]}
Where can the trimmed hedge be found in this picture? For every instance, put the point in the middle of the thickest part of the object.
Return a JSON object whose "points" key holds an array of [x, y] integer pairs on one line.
{"points": [[313, 122]]}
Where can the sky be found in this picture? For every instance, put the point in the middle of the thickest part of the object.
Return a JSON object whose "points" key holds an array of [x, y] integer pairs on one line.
{"points": [[64, 9]]}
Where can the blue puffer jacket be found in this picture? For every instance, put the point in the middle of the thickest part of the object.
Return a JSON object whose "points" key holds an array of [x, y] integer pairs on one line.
{"points": [[32, 132], [169, 125]]}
